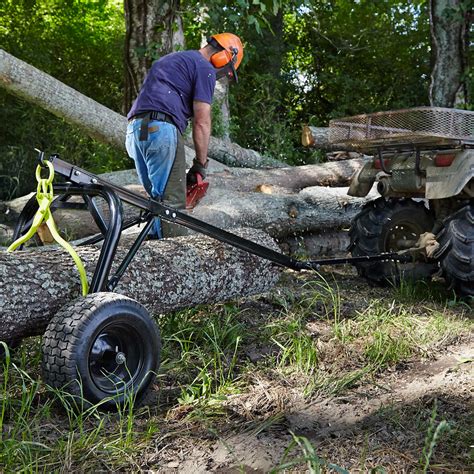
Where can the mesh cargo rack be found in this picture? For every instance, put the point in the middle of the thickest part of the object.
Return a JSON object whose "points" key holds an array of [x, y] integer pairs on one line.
{"points": [[419, 126]]}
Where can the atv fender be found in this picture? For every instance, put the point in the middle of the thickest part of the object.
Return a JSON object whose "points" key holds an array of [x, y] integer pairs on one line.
{"points": [[445, 182]]}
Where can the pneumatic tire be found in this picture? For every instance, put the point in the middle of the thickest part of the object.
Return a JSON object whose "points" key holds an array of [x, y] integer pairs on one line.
{"points": [[390, 226], [101, 348], [456, 251]]}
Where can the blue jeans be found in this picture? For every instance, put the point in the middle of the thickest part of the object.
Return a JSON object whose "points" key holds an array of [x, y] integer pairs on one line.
{"points": [[154, 158]]}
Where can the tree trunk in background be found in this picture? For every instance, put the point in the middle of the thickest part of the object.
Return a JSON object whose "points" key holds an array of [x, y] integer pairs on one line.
{"points": [[221, 97], [449, 27], [153, 29]]}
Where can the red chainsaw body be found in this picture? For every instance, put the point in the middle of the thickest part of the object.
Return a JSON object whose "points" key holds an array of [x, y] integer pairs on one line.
{"points": [[195, 192]]}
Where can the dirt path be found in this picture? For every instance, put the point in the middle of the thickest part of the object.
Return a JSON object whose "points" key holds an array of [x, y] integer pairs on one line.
{"points": [[375, 425]]}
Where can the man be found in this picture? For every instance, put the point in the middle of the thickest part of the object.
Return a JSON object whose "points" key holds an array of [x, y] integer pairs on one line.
{"points": [[179, 86]]}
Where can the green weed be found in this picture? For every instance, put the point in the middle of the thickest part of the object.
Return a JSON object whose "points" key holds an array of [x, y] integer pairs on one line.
{"points": [[206, 346], [433, 435], [298, 352], [392, 333], [324, 299], [314, 464]]}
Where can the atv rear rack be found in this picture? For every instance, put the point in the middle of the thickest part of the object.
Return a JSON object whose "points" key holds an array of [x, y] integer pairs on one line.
{"points": [[419, 127], [88, 186]]}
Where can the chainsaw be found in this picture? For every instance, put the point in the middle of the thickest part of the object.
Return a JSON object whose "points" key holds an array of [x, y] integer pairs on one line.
{"points": [[195, 192]]}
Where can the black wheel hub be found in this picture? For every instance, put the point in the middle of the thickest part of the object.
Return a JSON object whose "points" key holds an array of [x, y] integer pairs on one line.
{"points": [[401, 237], [116, 358]]}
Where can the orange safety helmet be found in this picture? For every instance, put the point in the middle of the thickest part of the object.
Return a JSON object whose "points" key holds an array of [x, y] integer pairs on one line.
{"points": [[229, 58]]}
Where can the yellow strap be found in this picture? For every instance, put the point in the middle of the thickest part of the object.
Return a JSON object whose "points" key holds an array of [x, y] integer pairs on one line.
{"points": [[44, 196]]}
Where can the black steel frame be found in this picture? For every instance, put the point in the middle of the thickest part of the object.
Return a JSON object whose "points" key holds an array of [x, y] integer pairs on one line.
{"points": [[87, 185]]}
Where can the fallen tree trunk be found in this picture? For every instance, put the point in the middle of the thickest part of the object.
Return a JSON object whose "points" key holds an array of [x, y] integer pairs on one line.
{"points": [[233, 155], [315, 209], [33, 85], [287, 180], [97, 121], [165, 276], [312, 210]]}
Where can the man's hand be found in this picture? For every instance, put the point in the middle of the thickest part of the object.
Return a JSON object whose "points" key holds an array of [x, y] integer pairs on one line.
{"points": [[197, 168]]}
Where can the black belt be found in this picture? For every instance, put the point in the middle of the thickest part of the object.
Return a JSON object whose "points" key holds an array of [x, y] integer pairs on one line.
{"points": [[152, 115]]}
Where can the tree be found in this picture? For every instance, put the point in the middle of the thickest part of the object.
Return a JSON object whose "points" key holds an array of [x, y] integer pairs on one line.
{"points": [[450, 27], [153, 28], [80, 42]]}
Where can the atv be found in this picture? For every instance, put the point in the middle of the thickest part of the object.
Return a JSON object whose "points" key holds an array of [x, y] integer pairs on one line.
{"points": [[422, 163]]}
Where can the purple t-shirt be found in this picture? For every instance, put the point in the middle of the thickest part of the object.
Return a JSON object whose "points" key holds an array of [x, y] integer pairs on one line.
{"points": [[173, 82]]}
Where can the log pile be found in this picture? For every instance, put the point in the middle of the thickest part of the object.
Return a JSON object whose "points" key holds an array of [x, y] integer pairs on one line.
{"points": [[290, 204]]}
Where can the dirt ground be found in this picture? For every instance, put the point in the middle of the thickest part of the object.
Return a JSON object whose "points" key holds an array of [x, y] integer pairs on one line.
{"points": [[379, 425], [341, 427]]}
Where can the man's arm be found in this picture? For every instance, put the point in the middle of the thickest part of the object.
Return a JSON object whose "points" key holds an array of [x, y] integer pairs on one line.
{"points": [[201, 130]]}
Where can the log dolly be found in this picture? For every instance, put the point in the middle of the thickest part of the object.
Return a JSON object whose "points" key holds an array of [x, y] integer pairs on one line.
{"points": [[104, 347]]}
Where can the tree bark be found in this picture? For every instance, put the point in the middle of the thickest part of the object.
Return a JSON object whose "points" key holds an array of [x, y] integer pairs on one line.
{"points": [[165, 276], [448, 23], [310, 211], [153, 28]]}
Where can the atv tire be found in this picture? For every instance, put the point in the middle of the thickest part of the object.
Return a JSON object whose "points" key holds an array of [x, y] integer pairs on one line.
{"points": [[103, 348], [456, 251], [383, 226]]}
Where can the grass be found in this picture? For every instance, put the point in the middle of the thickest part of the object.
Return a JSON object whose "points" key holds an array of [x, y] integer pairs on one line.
{"points": [[314, 464], [313, 340]]}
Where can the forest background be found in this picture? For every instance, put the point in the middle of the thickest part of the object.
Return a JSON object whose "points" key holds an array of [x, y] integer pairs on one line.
{"points": [[305, 62]]}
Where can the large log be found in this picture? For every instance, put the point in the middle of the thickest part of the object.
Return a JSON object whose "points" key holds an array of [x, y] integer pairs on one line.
{"points": [[165, 276], [313, 210], [99, 122]]}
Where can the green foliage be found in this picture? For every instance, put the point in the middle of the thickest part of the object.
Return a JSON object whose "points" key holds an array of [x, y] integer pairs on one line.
{"points": [[305, 62], [348, 58], [79, 42], [260, 121]]}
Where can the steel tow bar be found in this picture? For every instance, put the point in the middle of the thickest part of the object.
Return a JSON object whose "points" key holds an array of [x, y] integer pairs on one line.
{"points": [[154, 208]]}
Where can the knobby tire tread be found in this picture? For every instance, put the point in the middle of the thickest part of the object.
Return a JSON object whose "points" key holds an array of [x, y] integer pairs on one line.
{"points": [[457, 251], [365, 238]]}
